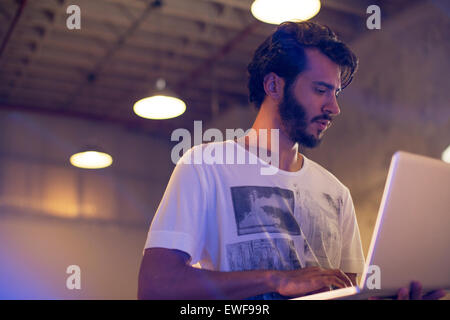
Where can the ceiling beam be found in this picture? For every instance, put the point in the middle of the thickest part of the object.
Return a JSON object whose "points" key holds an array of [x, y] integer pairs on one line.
{"points": [[12, 26], [50, 21]]}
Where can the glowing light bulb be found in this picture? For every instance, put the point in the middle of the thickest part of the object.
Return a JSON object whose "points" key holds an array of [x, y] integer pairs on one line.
{"points": [[159, 107], [278, 11], [91, 160], [446, 155]]}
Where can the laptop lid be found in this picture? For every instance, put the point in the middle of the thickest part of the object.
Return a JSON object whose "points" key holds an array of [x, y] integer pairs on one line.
{"points": [[411, 238]]}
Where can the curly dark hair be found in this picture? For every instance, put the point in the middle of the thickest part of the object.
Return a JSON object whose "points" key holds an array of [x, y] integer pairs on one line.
{"points": [[283, 53]]}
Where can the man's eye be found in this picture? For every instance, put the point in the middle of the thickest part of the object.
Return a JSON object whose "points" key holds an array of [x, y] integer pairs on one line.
{"points": [[321, 91]]}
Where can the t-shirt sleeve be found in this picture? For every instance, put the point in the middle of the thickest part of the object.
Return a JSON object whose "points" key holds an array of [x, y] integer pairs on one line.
{"points": [[179, 222], [352, 257]]}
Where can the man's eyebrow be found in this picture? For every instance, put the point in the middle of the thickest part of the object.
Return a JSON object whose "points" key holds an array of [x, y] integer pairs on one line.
{"points": [[327, 85]]}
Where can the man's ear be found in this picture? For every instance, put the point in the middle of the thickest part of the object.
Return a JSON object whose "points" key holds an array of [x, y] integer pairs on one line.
{"points": [[274, 86]]}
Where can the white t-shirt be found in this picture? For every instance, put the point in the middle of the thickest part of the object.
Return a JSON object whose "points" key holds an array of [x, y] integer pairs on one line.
{"points": [[230, 217]]}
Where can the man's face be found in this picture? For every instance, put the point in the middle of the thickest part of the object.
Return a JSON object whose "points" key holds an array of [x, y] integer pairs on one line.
{"points": [[309, 103]]}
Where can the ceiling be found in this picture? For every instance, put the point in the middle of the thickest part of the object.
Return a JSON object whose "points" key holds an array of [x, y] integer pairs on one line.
{"points": [[201, 48]]}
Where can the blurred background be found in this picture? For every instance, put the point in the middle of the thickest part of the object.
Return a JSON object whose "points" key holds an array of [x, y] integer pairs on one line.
{"points": [[63, 89]]}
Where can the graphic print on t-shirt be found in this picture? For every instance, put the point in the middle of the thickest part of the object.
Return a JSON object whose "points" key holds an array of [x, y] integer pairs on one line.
{"points": [[318, 214], [263, 254], [264, 209]]}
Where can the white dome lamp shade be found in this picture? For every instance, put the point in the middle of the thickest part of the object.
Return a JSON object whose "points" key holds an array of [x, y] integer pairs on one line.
{"points": [[162, 105], [91, 157], [446, 155], [278, 11]]}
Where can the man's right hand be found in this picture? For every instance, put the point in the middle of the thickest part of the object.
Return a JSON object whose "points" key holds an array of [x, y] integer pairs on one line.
{"points": [[167, 274], [309, 280]]}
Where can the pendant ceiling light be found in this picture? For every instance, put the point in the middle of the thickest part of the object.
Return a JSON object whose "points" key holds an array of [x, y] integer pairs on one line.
{"points": [[278, 11], [91, 158], [163, 104]]}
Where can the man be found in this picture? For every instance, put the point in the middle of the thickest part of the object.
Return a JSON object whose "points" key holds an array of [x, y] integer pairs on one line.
{"points": [[264, 236]]}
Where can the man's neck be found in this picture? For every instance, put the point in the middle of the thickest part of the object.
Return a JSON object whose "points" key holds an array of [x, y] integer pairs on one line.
{"points": [[268, 118], [289, 158]]}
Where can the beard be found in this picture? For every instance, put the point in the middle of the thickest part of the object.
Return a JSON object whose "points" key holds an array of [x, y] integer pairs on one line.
{"points": [[294, 121]]}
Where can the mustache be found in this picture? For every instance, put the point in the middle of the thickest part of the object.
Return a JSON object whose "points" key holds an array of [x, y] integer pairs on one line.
{"points": [[323, 117]]}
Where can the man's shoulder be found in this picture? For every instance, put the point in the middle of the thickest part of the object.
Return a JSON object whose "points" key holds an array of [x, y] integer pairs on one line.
{"points": [[205, 153], [326, 175]]}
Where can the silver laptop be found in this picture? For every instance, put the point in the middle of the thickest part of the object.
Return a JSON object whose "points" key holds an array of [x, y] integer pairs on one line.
{"points": [[411, 239]]}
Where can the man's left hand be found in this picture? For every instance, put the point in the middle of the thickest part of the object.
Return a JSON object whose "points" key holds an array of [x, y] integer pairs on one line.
{"points": [[415, 293]]}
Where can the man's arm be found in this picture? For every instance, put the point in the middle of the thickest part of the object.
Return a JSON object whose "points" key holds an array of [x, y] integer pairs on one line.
{"points": [[166, 274]]}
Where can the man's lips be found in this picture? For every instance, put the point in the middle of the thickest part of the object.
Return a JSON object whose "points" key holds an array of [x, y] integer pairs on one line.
{"points": [[323, 124]]}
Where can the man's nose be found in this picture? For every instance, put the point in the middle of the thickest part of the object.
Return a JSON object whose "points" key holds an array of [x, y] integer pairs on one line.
{"points": [[332, 107]]}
